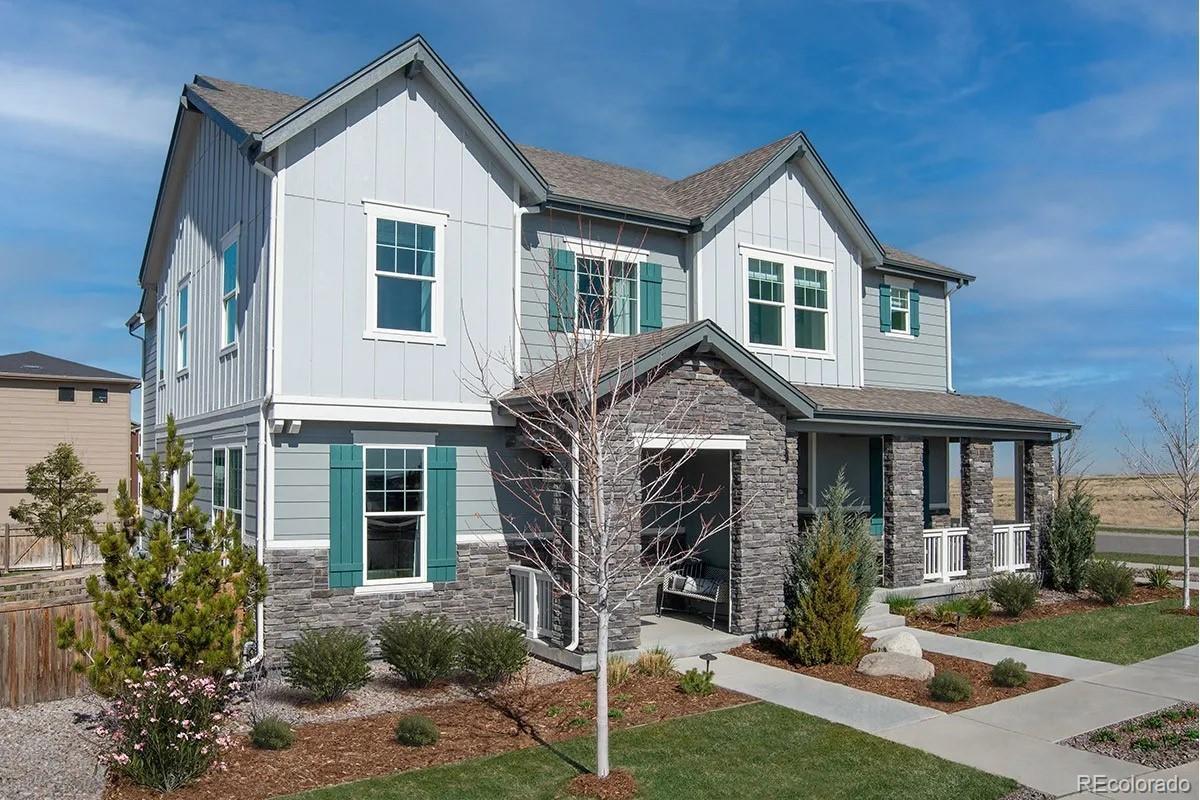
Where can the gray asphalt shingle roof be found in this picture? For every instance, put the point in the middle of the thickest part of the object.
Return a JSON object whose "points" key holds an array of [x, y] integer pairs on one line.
{"points": [[916, 403], [31, 364], [250, 108]]}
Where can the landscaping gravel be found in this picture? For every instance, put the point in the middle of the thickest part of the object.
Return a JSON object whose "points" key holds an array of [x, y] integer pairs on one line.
{"points": [[385, 693], [1153, 740], [45, 752]]}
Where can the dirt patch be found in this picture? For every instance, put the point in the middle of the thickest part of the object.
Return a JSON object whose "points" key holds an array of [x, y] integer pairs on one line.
{"points": [[1049, 604], [619, 785], [1163, 739], [770, 652], [335, 752]]}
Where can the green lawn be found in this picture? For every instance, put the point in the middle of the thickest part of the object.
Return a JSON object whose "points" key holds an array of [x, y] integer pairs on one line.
{"points": [[761, 751], [1120, 635], [1145, 558]]}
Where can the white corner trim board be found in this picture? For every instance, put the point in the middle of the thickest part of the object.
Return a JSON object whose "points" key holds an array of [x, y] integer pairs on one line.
{"points": [[714, 442]]}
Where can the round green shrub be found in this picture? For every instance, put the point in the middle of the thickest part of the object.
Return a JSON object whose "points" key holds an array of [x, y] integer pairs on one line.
{"points": [[491, 652], [1010, 672], [695, 682], [1014, 593], [421, 648], [272, 733], [1111, 581], [657, 662], [950, 687], [416, 731], [327, 664]]}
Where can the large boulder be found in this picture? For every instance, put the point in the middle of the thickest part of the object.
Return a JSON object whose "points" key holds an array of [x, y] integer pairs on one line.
{"points": [[895, 665], [901, 642]]}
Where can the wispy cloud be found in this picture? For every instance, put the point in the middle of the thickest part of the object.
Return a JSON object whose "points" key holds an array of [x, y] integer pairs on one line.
{"points": [[1053, 378]]}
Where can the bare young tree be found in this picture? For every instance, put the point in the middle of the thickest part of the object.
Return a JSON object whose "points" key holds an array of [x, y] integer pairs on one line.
{"points": [[1168, 467], [1072, 460], [602, 500]]}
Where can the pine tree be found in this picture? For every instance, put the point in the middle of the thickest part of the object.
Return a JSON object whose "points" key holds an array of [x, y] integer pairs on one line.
{"points": [[188, 599], [62, 501], [851, 530], [1071, 541], [824, 622]]}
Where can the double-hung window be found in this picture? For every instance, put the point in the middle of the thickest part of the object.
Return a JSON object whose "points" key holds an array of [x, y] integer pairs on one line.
{"points": [[766, 304], [394, 511], [900, 310], [227, 482], [811, 299], [160, 342], [229, 290], [182, 329], [406, 254], [607, 295]]}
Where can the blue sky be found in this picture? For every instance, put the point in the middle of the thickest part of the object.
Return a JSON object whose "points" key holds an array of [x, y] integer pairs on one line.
{"points": [[1049, 148]]}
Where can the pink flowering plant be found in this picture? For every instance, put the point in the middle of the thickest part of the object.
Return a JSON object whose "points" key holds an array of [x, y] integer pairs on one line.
{"points": [[166, 728]]}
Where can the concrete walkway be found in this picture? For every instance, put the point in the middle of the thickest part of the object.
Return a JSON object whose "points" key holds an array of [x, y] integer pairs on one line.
{"points": [[1017, 738]]}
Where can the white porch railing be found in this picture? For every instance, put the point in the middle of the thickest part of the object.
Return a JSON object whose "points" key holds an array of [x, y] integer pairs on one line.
{"points": [[1010, 548], [945, 554], [533, 600]]}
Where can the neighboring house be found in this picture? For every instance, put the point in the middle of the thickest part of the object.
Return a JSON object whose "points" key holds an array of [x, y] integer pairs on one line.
{"points": [[320, 275], [46, 400]]}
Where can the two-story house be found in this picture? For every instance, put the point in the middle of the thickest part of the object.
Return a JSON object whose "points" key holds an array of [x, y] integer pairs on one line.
{"points": [[321, 274]]}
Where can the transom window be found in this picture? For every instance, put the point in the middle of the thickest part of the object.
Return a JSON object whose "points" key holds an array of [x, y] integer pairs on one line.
{"points": [[182, 330], [229, 295], [766, 302], [227, 483], [405, 275], [395, 513], [812, 307], [607, 295], [900, 310]]}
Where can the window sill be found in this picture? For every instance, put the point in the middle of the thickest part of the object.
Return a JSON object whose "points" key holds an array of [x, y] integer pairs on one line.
{"points": [[402, 336], [393, 588], [227, 350], [900, 335], [182, 373], [824, 355]]}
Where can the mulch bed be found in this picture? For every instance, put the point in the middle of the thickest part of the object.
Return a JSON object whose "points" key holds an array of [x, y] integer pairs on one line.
{"points": [[1163, 739], [347, 750], [770, 652], [619, 785], [1059, 605]]}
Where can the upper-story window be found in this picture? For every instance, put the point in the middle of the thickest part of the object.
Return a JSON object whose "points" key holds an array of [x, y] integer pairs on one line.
{"points": [[66, 394], [407, 275], [795, 318], [607, 295], [160, 342], [183, 339], [99, 395], [229, 289], [394, 513], [900, 309]]}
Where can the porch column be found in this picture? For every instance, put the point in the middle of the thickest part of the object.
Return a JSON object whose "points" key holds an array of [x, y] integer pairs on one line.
{"points": [[977, 514], [903, 511], [1037, 493]]}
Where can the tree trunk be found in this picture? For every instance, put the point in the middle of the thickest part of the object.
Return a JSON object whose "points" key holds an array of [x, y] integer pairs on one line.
{"points": [[1187, 564], [602, 696], [62, 557]]}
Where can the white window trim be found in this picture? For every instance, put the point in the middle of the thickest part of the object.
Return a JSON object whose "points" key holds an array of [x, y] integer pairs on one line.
{"points": [[790, 262], [438, 220], [418, 581], [231, 239], [907, 332], [224, 504], [589, 248], [183, 349], [160, 340]]}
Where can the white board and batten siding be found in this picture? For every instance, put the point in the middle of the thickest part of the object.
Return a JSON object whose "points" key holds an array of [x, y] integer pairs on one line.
{"points": [[221, 190], [899, 361], [786, 215], [399, 143]]}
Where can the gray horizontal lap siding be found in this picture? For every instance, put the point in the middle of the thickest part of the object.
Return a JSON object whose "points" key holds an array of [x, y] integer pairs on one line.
{"points": [[902, 362], [545, 231], [302, 476]]}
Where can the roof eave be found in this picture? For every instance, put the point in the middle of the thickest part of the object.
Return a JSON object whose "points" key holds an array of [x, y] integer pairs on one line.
{"points": [[948, 420], [618, 213], [908, 269], [115, 380]]}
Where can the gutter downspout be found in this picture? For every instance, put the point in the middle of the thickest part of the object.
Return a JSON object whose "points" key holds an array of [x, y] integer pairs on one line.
{"points": [[574, 548], [518, 214], [264, 443], [949, 349]]}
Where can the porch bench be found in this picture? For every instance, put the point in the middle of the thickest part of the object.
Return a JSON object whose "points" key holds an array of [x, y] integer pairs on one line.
{"points": [[693, 581]]}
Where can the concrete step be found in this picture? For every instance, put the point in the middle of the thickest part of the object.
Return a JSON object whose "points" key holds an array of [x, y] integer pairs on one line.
{"points": [[878, 617]]}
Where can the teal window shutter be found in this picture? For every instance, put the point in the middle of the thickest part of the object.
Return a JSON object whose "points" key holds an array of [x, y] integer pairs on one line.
{"points": [[561, 303], [345, 516], [914, 311], [651, 297], [885, 307], [442, 513]]}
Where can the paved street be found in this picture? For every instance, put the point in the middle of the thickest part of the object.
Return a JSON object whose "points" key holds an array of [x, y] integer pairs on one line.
{"points": [[1150, 543]]}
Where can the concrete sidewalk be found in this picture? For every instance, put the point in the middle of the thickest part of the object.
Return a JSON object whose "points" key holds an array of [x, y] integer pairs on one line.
{"points": [[1056, 664]]}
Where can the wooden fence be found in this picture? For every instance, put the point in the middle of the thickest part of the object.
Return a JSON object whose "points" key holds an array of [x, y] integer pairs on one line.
{"points": [[20, 549], [32, 667]]}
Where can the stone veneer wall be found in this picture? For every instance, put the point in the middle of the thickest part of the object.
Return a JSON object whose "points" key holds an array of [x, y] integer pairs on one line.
{"points": [[977, 468], [299, 597], [903, 511], [1037, 464]]}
